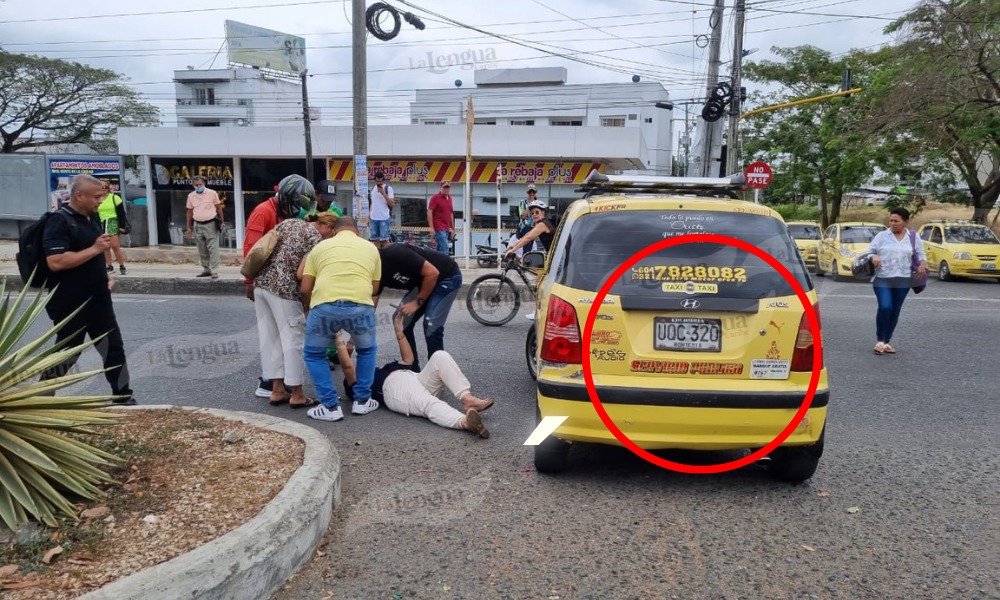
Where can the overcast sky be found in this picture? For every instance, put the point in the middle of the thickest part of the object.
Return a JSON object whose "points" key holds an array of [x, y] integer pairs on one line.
{"points": [[656, 39]]}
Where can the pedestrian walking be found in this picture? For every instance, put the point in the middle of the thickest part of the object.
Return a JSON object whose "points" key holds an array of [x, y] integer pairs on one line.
{"points": [[432, 281], [895, 253], [114, 222], [339, 280], [204, 221], [74, 245], [441, 218]]}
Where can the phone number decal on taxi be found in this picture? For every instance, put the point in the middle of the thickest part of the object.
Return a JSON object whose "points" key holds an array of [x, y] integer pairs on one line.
{"points": [[689, 273]]}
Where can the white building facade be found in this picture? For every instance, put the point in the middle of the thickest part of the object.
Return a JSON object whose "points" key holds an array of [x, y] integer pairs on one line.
{"points": [[237, 97], [537, 129]]}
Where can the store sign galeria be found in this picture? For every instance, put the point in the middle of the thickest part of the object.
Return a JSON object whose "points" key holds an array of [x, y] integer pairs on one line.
{"points": [[177, 173], [482, 172]]}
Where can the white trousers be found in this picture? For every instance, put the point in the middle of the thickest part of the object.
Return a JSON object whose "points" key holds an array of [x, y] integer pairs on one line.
{"points": [[415, 394], [281, 327]]}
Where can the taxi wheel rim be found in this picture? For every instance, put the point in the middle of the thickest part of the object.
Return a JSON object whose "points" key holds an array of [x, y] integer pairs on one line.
{"points": [[943, 272]]}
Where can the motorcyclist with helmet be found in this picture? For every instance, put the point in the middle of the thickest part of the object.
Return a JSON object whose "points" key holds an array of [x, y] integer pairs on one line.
{"points": [[293, 195]]}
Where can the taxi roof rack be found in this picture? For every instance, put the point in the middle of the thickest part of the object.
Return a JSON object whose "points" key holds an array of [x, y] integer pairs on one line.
{"points": [[962, 221], [598, 183]]}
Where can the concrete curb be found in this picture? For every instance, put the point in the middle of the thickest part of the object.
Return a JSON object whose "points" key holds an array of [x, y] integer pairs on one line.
{"points": [[254, 560], [190, 286]]}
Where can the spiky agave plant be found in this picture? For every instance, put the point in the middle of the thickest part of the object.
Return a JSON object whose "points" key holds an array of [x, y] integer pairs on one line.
{"points": [[41, 462]]}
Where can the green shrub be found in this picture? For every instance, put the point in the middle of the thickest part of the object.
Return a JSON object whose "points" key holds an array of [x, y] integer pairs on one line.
{"points": [[41, 462], [797, 212]]}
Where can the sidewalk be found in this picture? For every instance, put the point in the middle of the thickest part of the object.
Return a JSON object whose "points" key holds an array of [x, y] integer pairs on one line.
{"points": [[172, 270]]}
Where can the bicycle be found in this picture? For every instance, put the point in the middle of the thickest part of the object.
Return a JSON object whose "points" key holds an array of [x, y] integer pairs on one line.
{"points": [[494, 298]]}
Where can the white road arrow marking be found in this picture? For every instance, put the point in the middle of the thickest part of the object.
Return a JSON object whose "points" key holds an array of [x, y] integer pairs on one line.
{"points": [[546, 428]]}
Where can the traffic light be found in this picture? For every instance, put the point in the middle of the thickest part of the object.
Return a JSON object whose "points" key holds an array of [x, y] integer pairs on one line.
{"points": [[845, 80]]}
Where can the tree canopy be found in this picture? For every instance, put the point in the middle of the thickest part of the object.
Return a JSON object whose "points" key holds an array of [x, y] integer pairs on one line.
{"points": [[816, 149], [46, 101], [940, 90]]}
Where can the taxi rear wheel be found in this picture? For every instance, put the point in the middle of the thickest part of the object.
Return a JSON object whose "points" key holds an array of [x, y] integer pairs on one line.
{"points": [[944, 272], [796, 464], [530, 347], [836, 272]]}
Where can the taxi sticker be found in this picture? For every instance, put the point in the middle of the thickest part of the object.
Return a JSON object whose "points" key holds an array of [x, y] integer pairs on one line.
{"points": [[690, 287], [669, 367], [606, 337], [769, 368], [773, 351], [607, 207], [695, 273]]}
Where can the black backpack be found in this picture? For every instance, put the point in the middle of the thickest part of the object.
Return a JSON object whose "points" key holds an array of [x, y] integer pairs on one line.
{"points": [[31, 261]]}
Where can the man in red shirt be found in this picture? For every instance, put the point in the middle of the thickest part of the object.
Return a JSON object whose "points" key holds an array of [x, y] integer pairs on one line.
{"points": [[441, 217]]}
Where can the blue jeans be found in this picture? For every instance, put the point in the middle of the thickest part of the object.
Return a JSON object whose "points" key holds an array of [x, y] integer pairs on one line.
{"points": [[890, 293], [441, 241], [434, 312], [324, 321], [378, 229]]}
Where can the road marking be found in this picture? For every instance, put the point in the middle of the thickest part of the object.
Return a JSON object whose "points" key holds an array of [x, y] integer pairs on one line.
{"points": [[546, 428], [872, 296]]}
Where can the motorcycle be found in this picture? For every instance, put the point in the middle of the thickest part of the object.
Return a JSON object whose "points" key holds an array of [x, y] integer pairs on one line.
{"points": [[486, 254]]}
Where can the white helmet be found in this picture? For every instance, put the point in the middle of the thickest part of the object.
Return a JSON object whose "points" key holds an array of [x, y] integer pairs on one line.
{"points": [[538, 204]]}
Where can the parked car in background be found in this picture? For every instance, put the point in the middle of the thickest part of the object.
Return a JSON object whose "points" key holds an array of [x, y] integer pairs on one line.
{"points": [[961, 249], [700, 346], [807, 235], [840, 244]]}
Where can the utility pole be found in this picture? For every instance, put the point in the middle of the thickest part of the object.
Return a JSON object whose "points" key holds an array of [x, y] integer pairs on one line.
{"points": [[710, 131], [360, 88], [306, 122], [732, 140]]}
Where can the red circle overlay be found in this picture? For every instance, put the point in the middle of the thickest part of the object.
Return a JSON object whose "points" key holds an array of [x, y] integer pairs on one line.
{"points": [[813, 329]]}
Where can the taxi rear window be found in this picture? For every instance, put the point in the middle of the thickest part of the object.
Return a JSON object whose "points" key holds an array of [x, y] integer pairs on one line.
{"points": [[804, 232], [599, 243]]}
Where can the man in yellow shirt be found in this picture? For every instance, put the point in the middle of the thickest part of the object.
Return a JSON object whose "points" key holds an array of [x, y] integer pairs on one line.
{"points": [[340, 276]]}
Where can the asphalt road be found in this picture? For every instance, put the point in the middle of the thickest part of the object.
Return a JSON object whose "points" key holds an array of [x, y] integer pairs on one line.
{"points": [[432, 513]]}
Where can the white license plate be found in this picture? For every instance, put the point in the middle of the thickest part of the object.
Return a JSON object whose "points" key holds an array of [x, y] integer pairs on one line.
{"points": [[687, 334], [989, 266]]}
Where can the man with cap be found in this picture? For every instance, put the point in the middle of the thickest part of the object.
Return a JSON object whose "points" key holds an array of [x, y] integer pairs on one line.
{"points": [[441, 217], [380, 218]]}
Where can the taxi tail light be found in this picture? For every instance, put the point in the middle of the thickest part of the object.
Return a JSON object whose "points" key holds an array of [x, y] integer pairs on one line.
{"points": [[561, 342], [802, 356]]}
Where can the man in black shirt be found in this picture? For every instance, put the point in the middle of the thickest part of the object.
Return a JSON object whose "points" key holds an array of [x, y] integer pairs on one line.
{"points": [[74, 248], [432, 280]]}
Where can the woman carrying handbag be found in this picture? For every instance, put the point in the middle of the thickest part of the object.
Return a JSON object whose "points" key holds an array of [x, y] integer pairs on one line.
{"points": [[900, 263]]}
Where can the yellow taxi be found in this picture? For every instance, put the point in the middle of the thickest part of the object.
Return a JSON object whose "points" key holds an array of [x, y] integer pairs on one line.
{"points": [[700, 346], [840, 244], [807, 236], [961, 249]]}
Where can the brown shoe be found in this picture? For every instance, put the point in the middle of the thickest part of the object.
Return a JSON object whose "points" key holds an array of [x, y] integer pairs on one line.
{"points": [[474, 423]]}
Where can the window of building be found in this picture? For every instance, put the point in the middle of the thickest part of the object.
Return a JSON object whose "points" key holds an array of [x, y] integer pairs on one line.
{"points": [[204, 95], [205, 124], [485, 121], [522, 122], [649, 119], [435, 122], [612, 121], [566, 123]]}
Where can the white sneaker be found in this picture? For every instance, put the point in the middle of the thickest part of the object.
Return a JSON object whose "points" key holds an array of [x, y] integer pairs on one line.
{"points": [[322, 413], [262, 392], [364, 409]]}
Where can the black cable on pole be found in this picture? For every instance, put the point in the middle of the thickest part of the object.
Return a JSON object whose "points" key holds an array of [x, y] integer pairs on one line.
{"points": [[374, 14]]}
